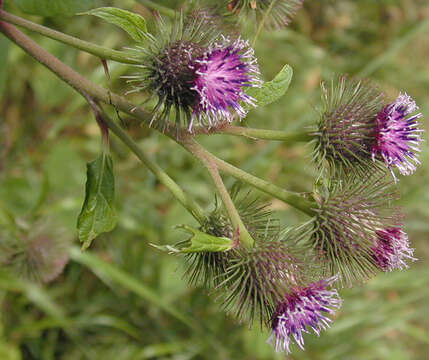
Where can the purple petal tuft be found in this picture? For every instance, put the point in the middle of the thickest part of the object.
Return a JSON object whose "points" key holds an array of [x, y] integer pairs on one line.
{"points": [[303, 309], [392, 249], [222, 74], [398, 136]]}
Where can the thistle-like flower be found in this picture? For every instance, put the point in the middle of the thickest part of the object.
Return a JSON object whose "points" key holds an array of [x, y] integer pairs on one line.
{"points": [[349, 216], [345, 131], [398, 136], [196, 72], [275, 13], [392, 249], [302, 309]]}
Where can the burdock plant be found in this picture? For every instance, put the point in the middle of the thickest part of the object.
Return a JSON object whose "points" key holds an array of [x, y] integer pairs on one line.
{"points": [[194, 78]]}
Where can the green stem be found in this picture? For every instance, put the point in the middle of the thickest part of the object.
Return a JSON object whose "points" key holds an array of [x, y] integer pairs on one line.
{"points": [[162, 176], [88, 89], [291, 198], [161, 9], [261, 24], [102, 52], [264, 134], [244, 236]]}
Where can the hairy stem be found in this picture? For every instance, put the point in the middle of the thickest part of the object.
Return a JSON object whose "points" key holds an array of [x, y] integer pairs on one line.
{"points": [[263, 134], [162, 176], [262, 23], [291, 198], [87, 89], [160, 8], [93, 49], [244, 236]]}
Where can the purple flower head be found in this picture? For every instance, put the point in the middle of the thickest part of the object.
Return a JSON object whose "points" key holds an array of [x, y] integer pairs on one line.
{"points": [[397, 135], [392, 249], [222, 74], [195, 73], [303, 309]]}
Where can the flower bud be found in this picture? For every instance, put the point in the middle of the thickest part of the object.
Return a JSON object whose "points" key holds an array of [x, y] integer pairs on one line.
{"points": [[350, 215], [345, 131]]}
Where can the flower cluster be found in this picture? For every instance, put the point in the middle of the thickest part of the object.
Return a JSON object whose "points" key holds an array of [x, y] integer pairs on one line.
{"points": [[196, 72], [271, 282], [200, 77]]}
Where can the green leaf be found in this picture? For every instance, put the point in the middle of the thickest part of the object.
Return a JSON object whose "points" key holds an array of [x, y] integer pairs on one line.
{"points": [[272, 90], [199, 242], [98, 214], [55, 7], [132, 23]]}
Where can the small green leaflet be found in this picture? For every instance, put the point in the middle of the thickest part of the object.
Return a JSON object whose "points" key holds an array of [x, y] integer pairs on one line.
{"points": [[55, 7], [132, 23], [272, 90], [199, 242], [98, 214]]}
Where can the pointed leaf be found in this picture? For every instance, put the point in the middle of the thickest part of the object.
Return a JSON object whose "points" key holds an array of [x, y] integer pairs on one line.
{"points": [[132, 23], [199, 242], [98, 214], [272, 90]]}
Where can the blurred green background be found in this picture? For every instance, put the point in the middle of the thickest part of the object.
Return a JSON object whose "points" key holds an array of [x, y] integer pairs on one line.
{"points": [[125, 300]]}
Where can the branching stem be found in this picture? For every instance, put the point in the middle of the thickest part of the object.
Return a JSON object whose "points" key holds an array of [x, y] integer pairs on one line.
{"points": [[291, 198], [244, 236], [98, 93]]}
